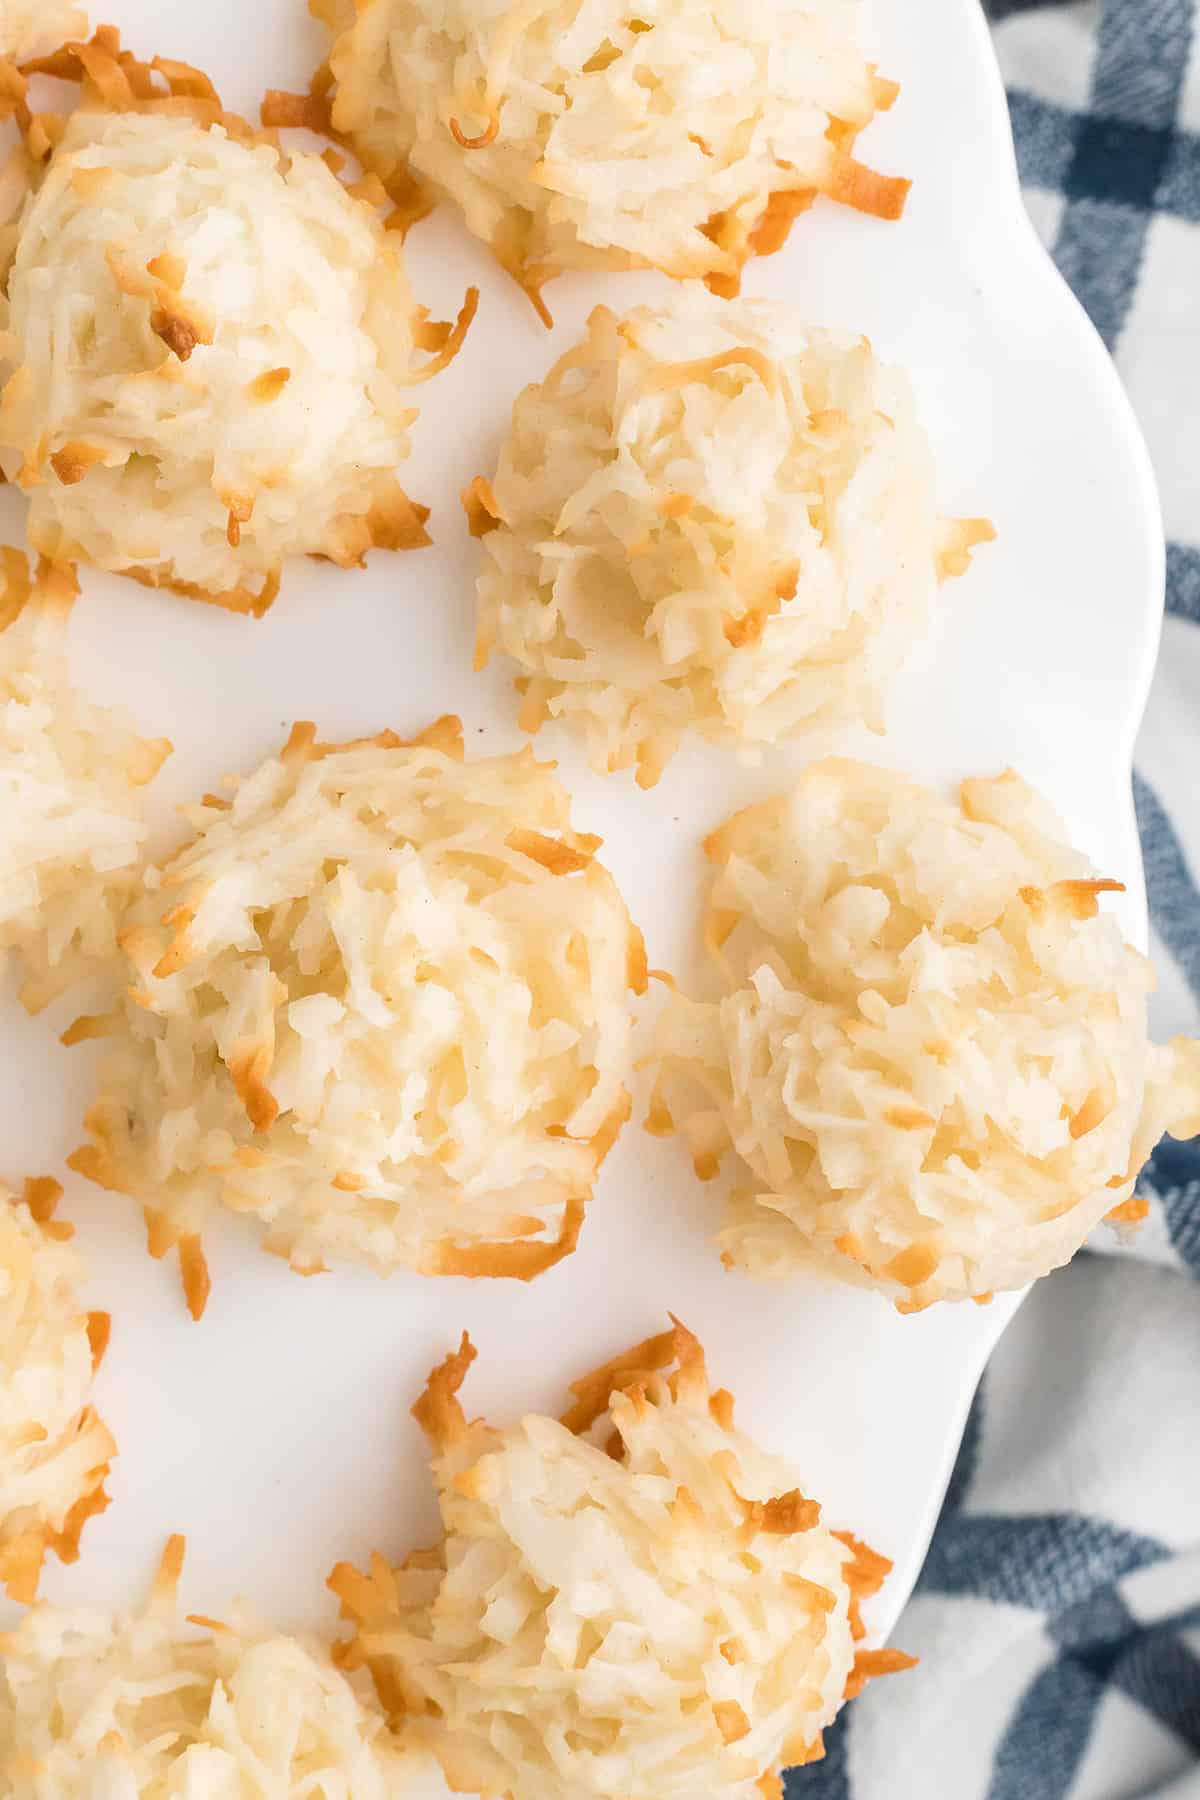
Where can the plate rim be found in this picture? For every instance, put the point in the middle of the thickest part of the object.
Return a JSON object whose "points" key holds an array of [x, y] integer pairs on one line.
{"points": [[1145, 502]]}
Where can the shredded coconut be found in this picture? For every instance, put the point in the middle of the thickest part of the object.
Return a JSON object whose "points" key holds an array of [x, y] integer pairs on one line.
{"points": [[664, 1617], [71, 824], [931, 1052], [140, 1707], [709, 518], [54, 1450], [674, 135], [209, 350], [318, 986]]}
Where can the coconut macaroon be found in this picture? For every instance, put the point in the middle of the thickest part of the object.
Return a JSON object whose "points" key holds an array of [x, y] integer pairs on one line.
{"points": [[679, 136], [931, 1049], [709, 518], [143, 1705], [32, 27], [72, 829], [54, 1449], [210, 345], [663, 1616], [318, 987]]}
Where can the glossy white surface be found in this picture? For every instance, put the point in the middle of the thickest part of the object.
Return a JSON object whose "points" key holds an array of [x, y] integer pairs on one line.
{"points": [[276, 1432]]}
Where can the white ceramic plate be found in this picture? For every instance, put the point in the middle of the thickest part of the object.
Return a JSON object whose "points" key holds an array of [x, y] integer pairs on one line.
{"points": [[276, 1432]]}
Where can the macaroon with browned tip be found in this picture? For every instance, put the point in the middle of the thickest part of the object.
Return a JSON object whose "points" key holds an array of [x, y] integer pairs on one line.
{"points": [[926, 1050], [633, 1600], [30, 28], [682, 135], [710, 520], [72, 774], [382, 1005], [54, 1448], [211, 344], [146, 1704]]}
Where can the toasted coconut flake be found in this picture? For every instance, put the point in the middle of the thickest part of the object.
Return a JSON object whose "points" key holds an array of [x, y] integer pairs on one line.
{"points": [[913, 1266], [112, 78], [140, 1704], [41, 1194], [438, 1411], [395, 522], [868, 1664], [249, 602], [14, 91], [732, 1722], [267, 387], [782, 210], [957, 540], [803, 1754], [73, 461], [184, 80], [865, 1575], [587, 141], [481, 507], [410, 200], [193, 1270], [282, 111], [638, 610], [932, 1048], [610, 1620], [1129, 1212], [99, 1331], [511, 1261], [317, 984], [266, 363], [481, 141], [179, 334], [54, 1450], [633, 1367], [883, 196], [71, 822], [549, 853], [452, 342], [783, 1514]]}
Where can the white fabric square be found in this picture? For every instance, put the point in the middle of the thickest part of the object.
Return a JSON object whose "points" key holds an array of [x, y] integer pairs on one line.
{"points": [[1045, 207], [1164, 1589], [937, 1735], [1057, 1400], [1165, 738], [1049, 51], [1127, 1753], [1188, 117], [1159, 358]]}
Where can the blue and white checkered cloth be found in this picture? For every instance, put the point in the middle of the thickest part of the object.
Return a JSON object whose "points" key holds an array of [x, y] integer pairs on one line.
{"points": [[1058, 1615]]}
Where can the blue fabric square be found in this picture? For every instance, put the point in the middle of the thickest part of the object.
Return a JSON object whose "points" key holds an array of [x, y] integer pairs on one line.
{"points": [[1119, 163]]}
